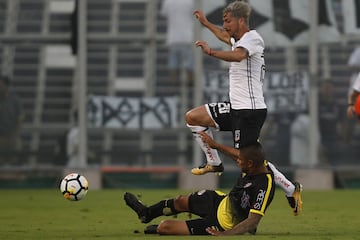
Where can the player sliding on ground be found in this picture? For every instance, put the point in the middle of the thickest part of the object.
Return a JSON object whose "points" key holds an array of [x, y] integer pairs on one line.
{"points": [[292, 190], [238, 212]]}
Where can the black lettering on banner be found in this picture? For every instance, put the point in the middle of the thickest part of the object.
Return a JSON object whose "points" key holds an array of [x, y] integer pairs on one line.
{"points": [[123, 112], [163, 112], [160, 110], [130, 112]]}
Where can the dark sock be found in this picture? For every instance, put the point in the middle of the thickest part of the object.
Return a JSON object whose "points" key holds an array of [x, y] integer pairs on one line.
{"points": [[164, 207], [151, 229], [291, 201]]}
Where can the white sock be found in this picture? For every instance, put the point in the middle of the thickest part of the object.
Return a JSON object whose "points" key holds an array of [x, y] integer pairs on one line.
{"points": [[282, 181], [212, 155]]}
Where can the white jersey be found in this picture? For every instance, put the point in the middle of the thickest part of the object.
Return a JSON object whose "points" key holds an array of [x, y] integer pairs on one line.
{"points": [[246, 77], [356, 85]]}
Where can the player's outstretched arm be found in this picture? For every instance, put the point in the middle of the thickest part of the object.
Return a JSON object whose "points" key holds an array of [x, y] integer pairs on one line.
{"points": [[219, 32]]}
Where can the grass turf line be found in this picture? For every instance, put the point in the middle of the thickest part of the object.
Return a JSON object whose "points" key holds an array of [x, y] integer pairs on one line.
{"points": [[45, 214]]}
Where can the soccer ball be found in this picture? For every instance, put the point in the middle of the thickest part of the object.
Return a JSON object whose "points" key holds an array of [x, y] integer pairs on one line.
{"points": [[74, 187]]}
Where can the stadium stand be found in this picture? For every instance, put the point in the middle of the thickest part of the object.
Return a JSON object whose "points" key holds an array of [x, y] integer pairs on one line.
{"points": [[126, 57]]}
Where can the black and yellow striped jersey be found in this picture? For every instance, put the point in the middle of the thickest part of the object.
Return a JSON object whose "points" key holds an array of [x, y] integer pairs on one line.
{"points": [[252, 193]]}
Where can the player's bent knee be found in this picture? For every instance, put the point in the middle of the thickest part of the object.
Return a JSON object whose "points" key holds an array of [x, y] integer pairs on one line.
{"points": [[189, 118], [196, 115], [172, 227], [164, 227]]}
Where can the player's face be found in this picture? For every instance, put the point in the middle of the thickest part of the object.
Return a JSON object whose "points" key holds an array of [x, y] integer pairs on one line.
{"points": [[231, 25], [243, 164]]}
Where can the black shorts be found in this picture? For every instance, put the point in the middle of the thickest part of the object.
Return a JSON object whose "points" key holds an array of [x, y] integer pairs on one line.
{"points": [[204, 203], [245, 124]]}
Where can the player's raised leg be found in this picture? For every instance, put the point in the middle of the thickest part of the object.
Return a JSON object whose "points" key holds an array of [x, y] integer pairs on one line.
{"points": [[292, 190], [198, 120]]}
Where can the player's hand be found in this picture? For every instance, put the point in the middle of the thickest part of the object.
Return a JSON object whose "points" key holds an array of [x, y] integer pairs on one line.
{"points": [[213, 231], [200, 16], [204, 46], [208, 140]]}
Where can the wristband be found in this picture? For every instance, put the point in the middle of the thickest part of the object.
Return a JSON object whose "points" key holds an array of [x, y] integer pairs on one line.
{"points": [[209, 51]]}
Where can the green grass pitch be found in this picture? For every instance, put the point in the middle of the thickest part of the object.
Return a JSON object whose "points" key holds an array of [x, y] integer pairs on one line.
{"points": [[102, 214]]}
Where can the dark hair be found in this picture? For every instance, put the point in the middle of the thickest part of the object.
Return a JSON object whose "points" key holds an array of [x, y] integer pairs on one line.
{"points": [[254, 152], [5, 79]]}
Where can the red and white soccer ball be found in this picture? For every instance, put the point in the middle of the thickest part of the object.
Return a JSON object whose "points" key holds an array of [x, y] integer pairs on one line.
{"points": [[74, 187]]}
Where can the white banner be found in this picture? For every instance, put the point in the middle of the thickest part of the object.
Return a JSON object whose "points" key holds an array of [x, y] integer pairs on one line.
{"points": [[132, 112], [284, 92], [280, 22]]}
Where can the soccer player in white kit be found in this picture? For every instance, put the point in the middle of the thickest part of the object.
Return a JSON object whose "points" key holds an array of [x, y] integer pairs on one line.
{"points": [[246, 111]]}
